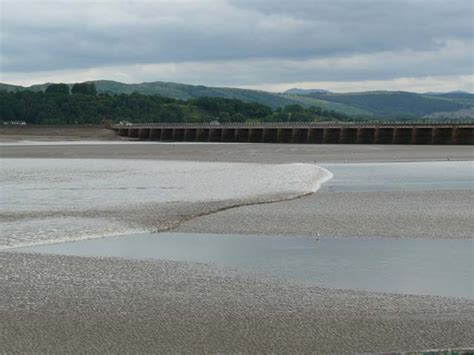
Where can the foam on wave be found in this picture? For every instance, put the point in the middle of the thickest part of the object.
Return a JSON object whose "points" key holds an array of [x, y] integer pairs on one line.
{"points": [[45, 200]]}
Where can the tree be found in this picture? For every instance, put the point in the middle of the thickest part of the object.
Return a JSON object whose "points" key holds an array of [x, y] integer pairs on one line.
{"points": [[57, 89], [84, 88], [238, 117], [294, 108], [224, 116], [315, 110]]}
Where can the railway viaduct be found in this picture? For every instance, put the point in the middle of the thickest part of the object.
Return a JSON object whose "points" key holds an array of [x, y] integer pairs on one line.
{"points": [[309, 133]]}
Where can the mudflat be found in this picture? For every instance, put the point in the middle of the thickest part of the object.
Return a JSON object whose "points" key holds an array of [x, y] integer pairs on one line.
{"points": [[421, 214], [57, 304], [377, 200], [239, 152]]}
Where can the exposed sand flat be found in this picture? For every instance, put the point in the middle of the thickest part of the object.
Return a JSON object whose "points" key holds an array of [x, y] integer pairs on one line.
{"points": [[395, 200], [415, 214], [54, 304], [258, 153]]}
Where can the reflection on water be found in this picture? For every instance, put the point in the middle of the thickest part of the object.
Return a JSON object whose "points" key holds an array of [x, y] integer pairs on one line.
{"points": [[411, 266]]}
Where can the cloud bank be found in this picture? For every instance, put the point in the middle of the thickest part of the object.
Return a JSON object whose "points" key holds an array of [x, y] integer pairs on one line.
{"points": [[268, 44]]}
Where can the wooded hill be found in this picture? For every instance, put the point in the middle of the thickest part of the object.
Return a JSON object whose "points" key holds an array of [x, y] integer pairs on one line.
{"points": [[82, 104], [369, 105]]}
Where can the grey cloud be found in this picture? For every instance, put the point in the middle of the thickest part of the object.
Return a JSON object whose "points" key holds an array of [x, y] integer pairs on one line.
{"points": [[379, 66], [58, 35]]}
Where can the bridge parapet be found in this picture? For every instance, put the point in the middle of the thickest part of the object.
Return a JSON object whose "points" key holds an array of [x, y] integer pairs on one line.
{"points": [[297, 124], [301, 132]]}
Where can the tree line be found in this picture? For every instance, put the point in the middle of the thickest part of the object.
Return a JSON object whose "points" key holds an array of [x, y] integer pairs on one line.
{"points": [[82, 104]]}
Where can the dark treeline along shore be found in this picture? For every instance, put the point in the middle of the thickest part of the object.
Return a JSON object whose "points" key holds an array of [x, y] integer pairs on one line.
{"points": [[82, 104]]}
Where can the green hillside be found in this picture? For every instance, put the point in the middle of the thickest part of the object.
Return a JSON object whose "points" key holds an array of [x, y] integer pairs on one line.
{"points": [[186, 92], [329, 105], [370, 105], [82, 105], [461, 98]]}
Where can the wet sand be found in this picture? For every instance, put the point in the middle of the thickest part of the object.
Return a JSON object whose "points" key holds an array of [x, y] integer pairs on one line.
{"points": [[69, 304], [419, 214], [396, 200], [49, 133], [61, 304], [242, 152]]}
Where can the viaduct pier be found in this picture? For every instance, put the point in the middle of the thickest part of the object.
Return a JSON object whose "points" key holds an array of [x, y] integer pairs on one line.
{"points": [[304, 133]]}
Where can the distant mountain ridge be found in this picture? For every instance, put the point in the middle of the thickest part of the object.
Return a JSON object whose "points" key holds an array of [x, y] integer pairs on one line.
{"points": [[371, 105], [444, 93], [296, 91], [404, 104]]}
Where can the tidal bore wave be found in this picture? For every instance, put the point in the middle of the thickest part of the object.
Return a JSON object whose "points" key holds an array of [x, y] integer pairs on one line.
{"points": [[51, 200]]}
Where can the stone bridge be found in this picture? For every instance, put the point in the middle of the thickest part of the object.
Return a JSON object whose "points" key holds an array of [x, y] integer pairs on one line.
{"points": [[309, 133]]}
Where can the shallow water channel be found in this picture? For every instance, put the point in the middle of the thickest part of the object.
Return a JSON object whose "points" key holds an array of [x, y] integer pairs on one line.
{"points": [[412, 176], [409, 266]]}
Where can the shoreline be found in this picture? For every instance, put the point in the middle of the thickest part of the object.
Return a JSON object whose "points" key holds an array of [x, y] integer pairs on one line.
{"points": [[325, 262], [51, 133]]}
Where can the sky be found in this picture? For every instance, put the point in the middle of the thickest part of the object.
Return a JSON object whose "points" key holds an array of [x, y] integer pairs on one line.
{"points": [[274, 45]]}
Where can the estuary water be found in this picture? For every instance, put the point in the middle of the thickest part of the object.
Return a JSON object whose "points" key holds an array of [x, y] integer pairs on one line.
{"points": [[411, 176], [407, 266]]}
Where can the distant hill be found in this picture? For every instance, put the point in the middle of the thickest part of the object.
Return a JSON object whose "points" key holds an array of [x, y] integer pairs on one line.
{"points": [[445, 93], [461, 97], [371, 105], [296, 91], [393, 104]]}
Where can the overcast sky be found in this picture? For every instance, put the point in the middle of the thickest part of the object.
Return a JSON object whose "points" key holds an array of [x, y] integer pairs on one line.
{"points": [[346, 45]]}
